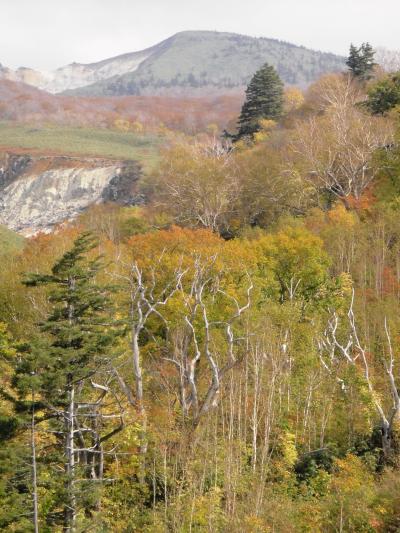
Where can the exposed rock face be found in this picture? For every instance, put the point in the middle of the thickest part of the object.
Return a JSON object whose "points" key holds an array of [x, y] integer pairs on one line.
{"points": [[37, 193], [24, 75], [11, 167], [76, 75]]}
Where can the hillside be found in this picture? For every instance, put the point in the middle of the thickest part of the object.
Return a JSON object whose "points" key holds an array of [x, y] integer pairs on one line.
{"points": [[199, 329], [94, 142], [10, 242], [76, 74], [26, 104], [208, 62], [191, 63]]}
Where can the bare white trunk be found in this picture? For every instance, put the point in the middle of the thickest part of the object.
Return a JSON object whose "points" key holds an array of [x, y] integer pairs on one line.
{"points": [[34, 472], [70, 507]]}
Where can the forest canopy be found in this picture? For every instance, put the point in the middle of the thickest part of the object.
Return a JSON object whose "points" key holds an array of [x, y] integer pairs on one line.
{"points": [[226, 356]]}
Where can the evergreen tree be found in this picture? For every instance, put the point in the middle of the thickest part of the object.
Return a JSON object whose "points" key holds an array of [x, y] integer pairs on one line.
{"points": [[62, 372], [264, 100], [384, 95], [361, 61], [354, 61], [16, 509]]}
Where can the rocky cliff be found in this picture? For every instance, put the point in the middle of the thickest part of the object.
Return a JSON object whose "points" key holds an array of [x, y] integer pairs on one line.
{"points": [[39, 192]]}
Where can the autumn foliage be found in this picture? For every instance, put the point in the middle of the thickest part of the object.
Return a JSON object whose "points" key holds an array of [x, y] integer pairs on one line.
{"points": [[224, 357]]}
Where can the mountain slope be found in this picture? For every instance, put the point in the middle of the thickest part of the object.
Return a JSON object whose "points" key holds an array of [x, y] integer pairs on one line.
{"points": [[190, 63], [201, 61], [23, 75], [25, 104], [76, 74], [10, 242]]}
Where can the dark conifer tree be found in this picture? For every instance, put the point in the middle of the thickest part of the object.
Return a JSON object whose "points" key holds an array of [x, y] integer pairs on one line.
{"points": [[264, 100], [64, 371], [354, 61], [384, 95], [16, 487], [361, 61]]}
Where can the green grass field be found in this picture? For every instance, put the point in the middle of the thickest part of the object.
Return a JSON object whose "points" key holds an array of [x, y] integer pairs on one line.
{"points": [[83, 141], [10, 242]]}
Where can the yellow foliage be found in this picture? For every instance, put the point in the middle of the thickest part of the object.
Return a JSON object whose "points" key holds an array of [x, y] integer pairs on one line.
{"points": [[212, 129], [288, 448], [137, 127], [266, 126], [293, 99], [351, 477], [121, 124], [341, 216]]}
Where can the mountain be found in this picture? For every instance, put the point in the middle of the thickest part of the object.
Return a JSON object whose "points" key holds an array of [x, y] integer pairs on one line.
{"points": [[189, 63], [76, 75], [209, 62], [23, 75]]}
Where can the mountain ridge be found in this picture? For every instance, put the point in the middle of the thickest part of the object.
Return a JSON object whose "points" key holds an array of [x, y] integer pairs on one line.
{"points": [[187, 63]]}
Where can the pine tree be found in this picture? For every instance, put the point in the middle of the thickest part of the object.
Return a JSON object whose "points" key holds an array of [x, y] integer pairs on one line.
{"points": [[64, 370], [354, 61], [16, 480], [264, 100], [361, 61], [384, 95]]}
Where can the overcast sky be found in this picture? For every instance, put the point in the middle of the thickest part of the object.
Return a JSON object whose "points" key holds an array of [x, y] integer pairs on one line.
{"points": [[47, 34]]}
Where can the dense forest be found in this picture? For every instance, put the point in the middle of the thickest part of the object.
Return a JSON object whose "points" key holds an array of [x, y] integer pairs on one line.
{"points": [[225, 357]]}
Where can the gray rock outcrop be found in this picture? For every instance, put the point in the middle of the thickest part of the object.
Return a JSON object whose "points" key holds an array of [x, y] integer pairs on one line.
{"points": [[38, 193]]}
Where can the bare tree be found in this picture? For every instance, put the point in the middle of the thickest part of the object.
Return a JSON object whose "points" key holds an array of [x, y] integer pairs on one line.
{"points": [[334, 90], [196, 341], [335, 150], [35, 498], [389, 60], [354, 351], [198, 184], [148, 292]]}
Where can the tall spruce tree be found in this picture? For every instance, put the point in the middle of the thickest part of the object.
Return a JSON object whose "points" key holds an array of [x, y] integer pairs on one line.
{"points": [[361, 61], [16, 480], [67, 372], [264, 100]]}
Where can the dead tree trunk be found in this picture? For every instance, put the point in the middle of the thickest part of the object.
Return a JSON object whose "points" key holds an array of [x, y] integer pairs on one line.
{"points": [[70, 506], [354, 351], [34, 469]]}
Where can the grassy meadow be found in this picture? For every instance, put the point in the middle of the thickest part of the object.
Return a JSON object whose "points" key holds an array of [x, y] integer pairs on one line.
{"points": [[83, 141]]}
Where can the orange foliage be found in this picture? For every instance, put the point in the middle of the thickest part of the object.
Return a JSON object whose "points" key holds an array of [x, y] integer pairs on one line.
{"points": [[366, 201], [179, 247], [175, 240], [390, 282]]}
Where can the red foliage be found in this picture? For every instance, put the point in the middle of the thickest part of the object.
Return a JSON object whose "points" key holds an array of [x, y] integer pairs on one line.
{"points": [[366, 201], [390, 281], [24, 103]]}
